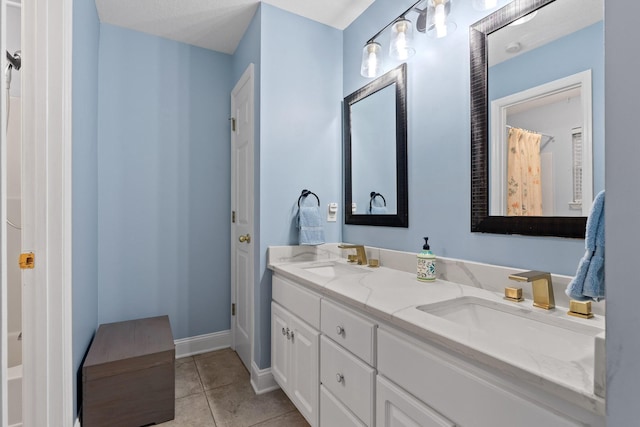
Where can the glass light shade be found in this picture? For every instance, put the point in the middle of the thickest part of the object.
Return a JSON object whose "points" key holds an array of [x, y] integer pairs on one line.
{"points": [[401, 46], [439, 26], [371, 60]]}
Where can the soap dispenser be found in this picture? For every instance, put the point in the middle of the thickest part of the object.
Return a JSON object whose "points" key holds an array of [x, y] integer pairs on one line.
{"points": [[426, 263]]}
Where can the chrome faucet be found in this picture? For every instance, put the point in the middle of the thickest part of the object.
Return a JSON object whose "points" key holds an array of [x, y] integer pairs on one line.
{"points": [[360, 252], [542, 289]]}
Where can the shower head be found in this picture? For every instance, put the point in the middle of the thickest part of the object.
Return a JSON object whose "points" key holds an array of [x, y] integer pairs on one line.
{"points": [[15, 60]]}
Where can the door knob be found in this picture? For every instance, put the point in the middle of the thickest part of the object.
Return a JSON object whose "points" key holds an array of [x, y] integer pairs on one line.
{"points": [[245, 238]]}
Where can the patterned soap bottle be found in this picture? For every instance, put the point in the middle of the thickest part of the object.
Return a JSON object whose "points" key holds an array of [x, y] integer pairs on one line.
{"points": [[426, 263]]}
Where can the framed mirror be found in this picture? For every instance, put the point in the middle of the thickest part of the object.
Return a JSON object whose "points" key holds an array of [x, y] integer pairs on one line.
{"points": [[375, 152], [537, 144]]}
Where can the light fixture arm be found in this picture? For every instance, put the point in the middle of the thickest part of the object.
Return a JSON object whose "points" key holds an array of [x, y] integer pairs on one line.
{"points": [[402, 15]]}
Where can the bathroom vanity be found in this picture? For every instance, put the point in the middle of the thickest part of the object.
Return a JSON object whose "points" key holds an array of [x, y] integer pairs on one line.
{"points": [[357, 346]]}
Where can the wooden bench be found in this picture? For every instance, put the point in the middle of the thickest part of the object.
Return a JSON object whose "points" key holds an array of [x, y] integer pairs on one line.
{"points": [[128, 376]]}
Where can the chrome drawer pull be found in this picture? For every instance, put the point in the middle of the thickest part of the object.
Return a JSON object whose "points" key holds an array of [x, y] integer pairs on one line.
{"points": [[284, 332], [288, 334], [340, 378], [339, 330]]}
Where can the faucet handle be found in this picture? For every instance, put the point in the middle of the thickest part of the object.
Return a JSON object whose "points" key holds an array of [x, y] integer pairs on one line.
{"points": [[580, 309], [513, 294]]}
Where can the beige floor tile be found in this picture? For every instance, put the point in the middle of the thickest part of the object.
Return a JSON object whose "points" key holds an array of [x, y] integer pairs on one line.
{"points": [[291, 419], [183, 360], [220, 368], [187, 379], [192, 411], [237, 405]]}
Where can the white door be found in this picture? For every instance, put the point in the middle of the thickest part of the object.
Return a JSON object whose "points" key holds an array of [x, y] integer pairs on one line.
{"points": [[242, 238]]}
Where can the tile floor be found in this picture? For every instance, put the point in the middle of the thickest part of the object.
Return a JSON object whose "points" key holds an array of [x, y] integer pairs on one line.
{"points": [[213, 390]]}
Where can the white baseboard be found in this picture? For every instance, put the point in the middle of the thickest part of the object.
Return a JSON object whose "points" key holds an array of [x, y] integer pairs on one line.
{"points": [[202, 343], [262, 380]]}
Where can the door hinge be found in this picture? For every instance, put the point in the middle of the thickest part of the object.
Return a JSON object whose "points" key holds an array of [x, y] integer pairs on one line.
{"points": [[233, 123], [233, 217], [27, 260], [233, 309]]}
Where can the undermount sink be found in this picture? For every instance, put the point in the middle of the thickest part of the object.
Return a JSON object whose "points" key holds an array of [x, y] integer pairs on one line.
{"points": [[536, 331], [333, 269]]}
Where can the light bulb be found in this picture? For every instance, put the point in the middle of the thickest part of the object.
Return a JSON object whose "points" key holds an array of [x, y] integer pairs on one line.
{"points": [[372, 64], [401, 46], [439, 21]]}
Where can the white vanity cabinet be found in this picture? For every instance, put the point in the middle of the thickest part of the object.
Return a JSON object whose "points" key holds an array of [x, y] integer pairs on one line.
{"points": [[295, 346], [342, 367]]}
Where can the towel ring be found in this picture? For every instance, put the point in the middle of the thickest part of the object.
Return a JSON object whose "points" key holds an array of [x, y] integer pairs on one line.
{"points": [[305, 193], [373, 195]]}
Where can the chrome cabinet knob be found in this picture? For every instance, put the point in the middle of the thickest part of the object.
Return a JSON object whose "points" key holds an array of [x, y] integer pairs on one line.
{"points": [[284, 332], [339, 330], [340, 378]]}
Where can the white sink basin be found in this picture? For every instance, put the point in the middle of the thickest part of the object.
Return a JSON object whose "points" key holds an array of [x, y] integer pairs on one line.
{"points": [[536, 331], [334, 269]]}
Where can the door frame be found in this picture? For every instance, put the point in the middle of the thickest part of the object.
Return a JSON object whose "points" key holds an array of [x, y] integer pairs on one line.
{"points": [[48, 377], [248, 75], [4, 406]]}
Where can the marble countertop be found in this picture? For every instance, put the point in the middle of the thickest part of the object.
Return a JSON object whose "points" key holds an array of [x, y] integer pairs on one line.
{"points": [[393, 295]]}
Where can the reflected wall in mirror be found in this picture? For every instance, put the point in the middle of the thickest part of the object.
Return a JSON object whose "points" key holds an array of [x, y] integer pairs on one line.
{"points": [[537, 103], [375, 152]]}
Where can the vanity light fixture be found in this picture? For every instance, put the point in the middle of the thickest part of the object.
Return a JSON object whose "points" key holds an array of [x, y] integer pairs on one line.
{"points": [[400, 47]]}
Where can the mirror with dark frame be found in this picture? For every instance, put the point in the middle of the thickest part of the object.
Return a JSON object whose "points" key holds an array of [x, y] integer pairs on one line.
{"points": [[536, 75], [375, 152]]}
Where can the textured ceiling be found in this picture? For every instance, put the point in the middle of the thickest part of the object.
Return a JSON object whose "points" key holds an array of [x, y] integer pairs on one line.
{"points": [[217, 24]]}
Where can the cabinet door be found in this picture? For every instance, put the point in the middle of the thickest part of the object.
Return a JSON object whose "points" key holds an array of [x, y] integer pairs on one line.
{"points": [[304, 378], [333, 413], [396, 408], [280, 345]]}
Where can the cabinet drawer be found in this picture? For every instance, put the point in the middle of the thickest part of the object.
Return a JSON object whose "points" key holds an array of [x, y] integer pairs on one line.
{"points": [[347, 378], [350, 330], [429, 374], [301, 302], [397, 408], [333, 413]]}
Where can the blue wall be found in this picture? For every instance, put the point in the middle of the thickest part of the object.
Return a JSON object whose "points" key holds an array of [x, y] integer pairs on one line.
{"points": [[439, 152], [300, 137], [546, 64], [86, 33], [163, 182]]}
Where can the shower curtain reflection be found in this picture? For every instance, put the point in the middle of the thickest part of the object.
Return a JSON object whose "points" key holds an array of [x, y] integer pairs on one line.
{"points": [[524, 187]]}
